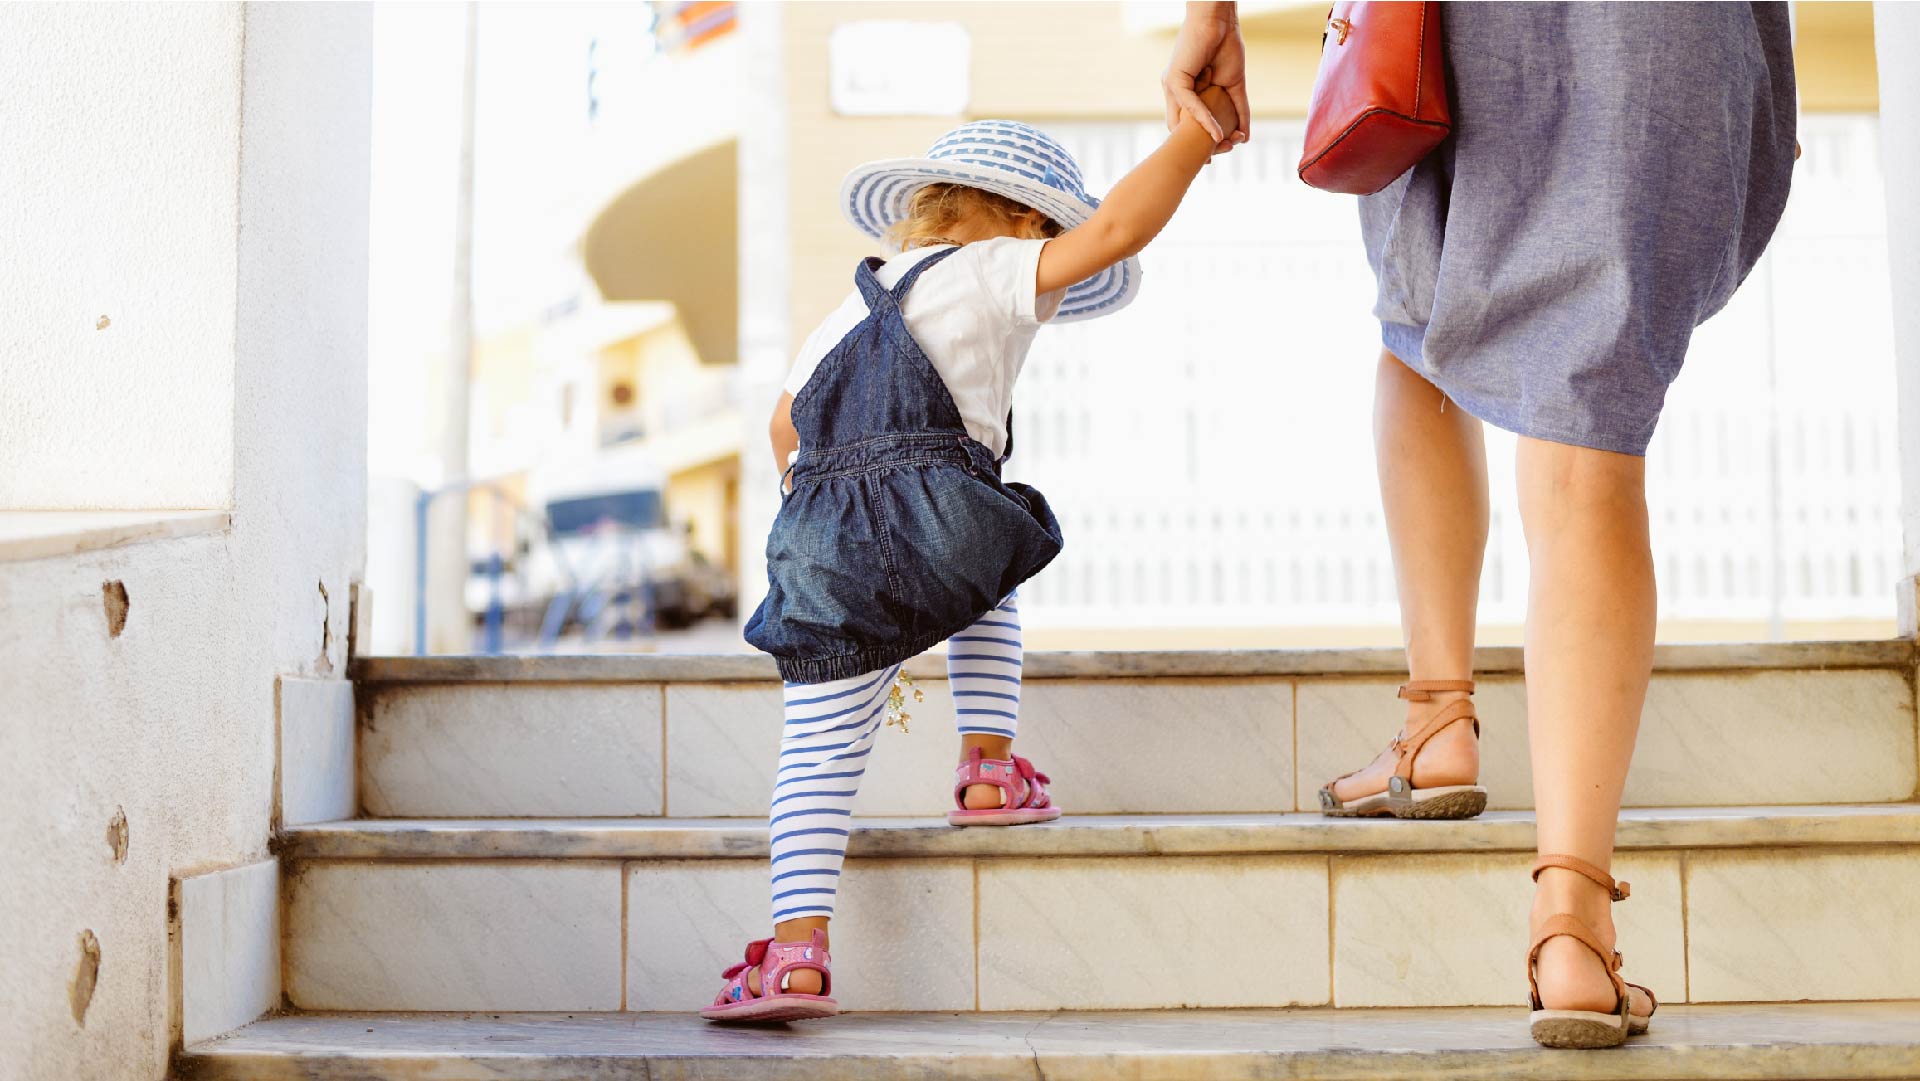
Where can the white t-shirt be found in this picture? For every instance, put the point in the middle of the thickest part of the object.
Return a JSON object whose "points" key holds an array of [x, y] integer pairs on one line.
{"points": [[974, 316]]}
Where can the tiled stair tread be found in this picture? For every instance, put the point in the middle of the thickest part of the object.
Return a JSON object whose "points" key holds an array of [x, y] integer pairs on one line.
{"points": [[1088, 835], [730, 667], [1810, 1040]]}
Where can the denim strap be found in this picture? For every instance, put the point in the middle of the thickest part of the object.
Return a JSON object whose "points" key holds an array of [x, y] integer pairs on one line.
{"points": [[866, 277], [905, 284]]}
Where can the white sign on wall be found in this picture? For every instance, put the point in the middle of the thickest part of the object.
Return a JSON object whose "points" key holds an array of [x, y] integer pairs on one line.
{"points": [[898, 68]]}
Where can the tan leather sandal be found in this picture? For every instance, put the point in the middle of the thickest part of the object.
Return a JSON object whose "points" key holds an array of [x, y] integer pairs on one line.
{"points": [[1402, 799], [1583, 1028]]}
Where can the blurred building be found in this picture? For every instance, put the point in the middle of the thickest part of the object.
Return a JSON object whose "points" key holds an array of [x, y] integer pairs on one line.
{"points": [[604, 359], [704, 244], [662, 235]]}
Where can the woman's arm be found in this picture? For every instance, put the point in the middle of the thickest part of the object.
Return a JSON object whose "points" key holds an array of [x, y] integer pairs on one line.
{"points": [[1209, 43], [1137, 208]]}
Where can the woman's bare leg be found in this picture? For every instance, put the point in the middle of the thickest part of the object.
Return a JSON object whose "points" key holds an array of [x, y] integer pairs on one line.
{"points": [[1433, 483], [1590, 624]]}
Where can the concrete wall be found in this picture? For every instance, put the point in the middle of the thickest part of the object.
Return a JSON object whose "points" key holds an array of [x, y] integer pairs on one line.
{"points": [[171, 724]]}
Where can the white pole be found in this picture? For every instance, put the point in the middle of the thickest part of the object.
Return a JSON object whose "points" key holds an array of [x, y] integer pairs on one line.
{"points": [[1896, 33], [765, 280], [449, 628]]}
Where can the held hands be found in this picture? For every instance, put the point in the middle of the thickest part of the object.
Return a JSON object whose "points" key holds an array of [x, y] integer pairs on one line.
{"points": [[1207, 81], [1217, 102], [1209, 49]]}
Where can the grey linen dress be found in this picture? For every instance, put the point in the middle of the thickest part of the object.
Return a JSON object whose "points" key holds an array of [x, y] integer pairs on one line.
{"points": [[1615, 171]]}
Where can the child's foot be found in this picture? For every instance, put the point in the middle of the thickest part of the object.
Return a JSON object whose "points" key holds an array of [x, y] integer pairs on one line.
{"points": [[804, 981], [798, 972], [983, 797], [1000, 792]]}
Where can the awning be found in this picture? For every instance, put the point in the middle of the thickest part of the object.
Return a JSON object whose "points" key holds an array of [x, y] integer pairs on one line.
{"points": [[673, 235], [664, 172]]}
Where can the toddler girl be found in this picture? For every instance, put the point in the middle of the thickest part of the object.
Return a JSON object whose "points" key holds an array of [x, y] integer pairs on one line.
{"points": [[896, 531]]}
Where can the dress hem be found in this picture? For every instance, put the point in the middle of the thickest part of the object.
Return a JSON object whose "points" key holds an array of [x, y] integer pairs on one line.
{"points": [[1406, 343]]}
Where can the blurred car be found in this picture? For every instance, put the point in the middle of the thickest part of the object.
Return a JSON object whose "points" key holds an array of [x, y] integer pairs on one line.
{"points": [[602, 560]]}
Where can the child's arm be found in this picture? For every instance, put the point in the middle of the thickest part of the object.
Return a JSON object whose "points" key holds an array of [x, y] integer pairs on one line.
{"points": [[1138, 207], [786, 439]]}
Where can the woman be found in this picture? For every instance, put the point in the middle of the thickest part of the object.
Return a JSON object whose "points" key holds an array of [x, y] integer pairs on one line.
{"points": [[1614, 173]]}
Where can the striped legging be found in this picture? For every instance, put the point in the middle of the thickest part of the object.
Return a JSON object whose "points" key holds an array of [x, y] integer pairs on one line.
{"points": [[829, 732]]}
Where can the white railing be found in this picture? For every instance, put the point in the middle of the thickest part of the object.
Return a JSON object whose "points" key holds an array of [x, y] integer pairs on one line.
{"points": [[1210, 451]]}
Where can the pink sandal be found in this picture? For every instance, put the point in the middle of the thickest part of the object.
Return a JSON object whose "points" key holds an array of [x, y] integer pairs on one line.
{"points": [[1023, 790], [737, 1002]]}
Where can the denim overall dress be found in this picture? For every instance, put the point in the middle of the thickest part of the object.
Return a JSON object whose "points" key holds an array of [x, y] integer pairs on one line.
{"points": [[899, 532]]}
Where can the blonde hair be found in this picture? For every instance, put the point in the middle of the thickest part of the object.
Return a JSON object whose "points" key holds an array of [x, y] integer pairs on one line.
{"points": [[933, 211]]}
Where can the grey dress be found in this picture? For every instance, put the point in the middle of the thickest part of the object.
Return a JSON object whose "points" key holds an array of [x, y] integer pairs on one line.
{"points": [[1615, 171]]}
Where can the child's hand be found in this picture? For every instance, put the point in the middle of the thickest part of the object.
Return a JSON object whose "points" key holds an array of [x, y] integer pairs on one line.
{"points": [[1221, 106]]}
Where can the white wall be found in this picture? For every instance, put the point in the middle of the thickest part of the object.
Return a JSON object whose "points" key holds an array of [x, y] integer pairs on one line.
{"points": [[1896, 32], [173, 721], [118, 170]]}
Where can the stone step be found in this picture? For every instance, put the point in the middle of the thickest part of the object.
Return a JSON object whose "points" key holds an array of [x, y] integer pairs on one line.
{"points": [[1814, 1040], [1088, 835], [1729, 905], [1224, 731]]}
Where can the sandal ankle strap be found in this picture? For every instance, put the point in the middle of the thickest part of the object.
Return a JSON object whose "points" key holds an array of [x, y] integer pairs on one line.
{"points": [[1423, 690], [1619, 891], [1409, 745]]}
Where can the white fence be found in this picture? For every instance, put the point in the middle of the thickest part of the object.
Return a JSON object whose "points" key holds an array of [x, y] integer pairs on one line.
{"points": [[1210, 450]]}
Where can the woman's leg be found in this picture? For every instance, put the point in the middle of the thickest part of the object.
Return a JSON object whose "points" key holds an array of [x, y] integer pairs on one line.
{"points": [[823, 753], [1433, 484], [983, 673], [1590, 622]]}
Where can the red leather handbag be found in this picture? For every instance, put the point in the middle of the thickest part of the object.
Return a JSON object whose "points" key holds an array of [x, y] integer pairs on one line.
{"points": [[1380, 100]]}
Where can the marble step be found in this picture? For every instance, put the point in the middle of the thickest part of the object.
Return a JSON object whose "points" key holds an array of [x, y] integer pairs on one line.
{"points": [[1253, 731], [1813, 1040], [1088, 835], [1729, 905]]}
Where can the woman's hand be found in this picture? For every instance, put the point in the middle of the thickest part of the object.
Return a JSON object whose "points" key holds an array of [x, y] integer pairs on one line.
{"points": [[1216, 101], [1209, 42]]}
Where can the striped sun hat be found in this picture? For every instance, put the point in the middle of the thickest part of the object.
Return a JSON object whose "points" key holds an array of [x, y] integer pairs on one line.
{"points": [[1007, 158]]}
